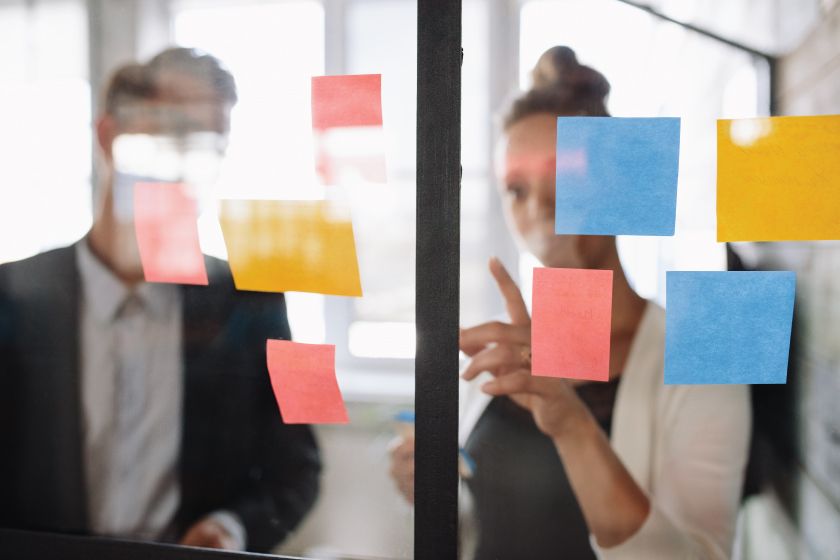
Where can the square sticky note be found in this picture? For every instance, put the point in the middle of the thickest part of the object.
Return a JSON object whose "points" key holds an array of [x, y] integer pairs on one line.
{"points": [[570, 323], [350, 100], [347, 123], [728, 327], [304, 383], [778, 179], [291, 246], [616, 176], [165, 222]]}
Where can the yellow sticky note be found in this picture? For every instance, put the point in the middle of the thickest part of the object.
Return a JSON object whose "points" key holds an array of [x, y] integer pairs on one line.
{"points": [[291, 246], [778, 179]]}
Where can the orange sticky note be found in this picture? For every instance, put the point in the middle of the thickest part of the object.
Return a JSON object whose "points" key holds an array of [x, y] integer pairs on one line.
{"points": [[165, 221], [347, 121], [570, 323], [304, 383], [291, 246], [342, 101], [778, 179]]}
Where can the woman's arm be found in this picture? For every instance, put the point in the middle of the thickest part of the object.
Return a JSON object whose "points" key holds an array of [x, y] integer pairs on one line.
{"points": [[701, 435], [692, 509], [703, 441], [612, 503]]}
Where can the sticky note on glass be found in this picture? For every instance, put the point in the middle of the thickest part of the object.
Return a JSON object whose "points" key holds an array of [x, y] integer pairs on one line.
{"points": [[778, 179], [347, 122], [616, 176], [165, 222], [570, 323], [291, 246], [304, 382], [728, 327]]}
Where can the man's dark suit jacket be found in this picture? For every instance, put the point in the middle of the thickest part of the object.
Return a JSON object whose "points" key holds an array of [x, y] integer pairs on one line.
{"points": [[236, 454]]}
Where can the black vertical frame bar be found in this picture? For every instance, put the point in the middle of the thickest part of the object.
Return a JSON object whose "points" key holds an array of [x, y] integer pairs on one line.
{"points": [[438, 261]]}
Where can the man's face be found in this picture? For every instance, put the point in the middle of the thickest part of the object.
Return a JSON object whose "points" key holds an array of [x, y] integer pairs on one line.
{"points": [[180, 136], [183, 105]]}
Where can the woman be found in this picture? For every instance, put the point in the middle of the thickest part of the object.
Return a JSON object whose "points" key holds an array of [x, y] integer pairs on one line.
{"points": [[631, 468]]}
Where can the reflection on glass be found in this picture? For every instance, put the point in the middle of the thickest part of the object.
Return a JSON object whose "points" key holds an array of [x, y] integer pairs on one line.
{"points": [[351, 155], [347, 122]]}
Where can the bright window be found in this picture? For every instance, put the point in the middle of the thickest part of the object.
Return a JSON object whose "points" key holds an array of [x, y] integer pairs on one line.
{"points": [[272, 49], [655, 69], [45, 138]]}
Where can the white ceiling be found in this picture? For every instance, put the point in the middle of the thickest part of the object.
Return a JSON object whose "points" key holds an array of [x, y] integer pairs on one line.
{"points": [[775, 27]]}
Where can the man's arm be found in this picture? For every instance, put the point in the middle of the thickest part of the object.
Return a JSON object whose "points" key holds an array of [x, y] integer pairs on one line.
{"points": [[282, 487], [283, 481]]}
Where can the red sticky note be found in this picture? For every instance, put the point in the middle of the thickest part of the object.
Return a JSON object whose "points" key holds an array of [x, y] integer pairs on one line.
{"points": [[165, 221], [343, 101], [570, 323], [304, 383]]}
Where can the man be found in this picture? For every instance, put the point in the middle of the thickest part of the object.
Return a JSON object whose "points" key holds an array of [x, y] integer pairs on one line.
{"points": [[140, 410]]}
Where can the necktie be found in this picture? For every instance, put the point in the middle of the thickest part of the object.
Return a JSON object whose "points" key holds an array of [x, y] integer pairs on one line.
{"points": [[130, 394]]}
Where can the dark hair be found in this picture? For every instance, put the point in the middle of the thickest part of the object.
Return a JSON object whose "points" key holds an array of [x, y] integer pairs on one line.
{"points": [[138, 82], [128, 83], [561, 86]]}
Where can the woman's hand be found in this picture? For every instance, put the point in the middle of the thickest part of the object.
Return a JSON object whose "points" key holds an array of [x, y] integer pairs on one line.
{"points": [[402, 466], [499, 347], [504, 349], [209, 533], [612, 503], [553, 402]]}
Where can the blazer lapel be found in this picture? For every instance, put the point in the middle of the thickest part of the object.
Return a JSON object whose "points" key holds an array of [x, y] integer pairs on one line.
{"points": [[199, 330], [55, 481]]}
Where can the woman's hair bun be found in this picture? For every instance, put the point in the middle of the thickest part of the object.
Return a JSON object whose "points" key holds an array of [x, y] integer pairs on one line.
{"points": [[561, 86], [558, 68]]}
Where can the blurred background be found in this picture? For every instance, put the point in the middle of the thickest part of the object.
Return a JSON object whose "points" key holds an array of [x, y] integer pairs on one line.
{"points": [[56, 54]]}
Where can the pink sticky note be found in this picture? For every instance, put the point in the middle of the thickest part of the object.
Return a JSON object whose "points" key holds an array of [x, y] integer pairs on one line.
{"points": [[570, 323], [304, 383], [165, 220], [344, 101], [347, 125]]}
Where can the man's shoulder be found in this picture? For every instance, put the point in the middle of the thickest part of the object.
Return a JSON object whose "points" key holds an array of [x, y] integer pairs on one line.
{"points": [[218, 273], [221, 292], [220, 307], [34, 272]]}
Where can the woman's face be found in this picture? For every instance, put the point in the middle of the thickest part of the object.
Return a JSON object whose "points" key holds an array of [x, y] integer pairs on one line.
{"points": [[526, 179]]}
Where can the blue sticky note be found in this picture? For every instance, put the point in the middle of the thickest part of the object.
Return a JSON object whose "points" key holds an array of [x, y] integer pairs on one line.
{"points": [[728, 327], [616, 176]]}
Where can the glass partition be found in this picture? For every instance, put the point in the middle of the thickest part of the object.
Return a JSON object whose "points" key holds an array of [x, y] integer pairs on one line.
{"points": [[189, 187]]}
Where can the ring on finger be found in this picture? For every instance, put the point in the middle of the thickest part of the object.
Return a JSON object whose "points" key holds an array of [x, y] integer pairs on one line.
{"points": [[525, 356]]}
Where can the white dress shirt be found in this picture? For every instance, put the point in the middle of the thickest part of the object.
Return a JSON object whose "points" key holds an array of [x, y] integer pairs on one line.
{"points": [[132, 385], [131, 375]]}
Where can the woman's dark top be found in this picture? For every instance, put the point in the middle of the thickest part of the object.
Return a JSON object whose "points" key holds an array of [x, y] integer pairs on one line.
{"points": [[524, 505]]}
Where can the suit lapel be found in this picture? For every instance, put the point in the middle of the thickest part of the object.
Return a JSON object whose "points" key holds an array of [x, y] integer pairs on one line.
{"points": [[50, 352], [199, 331], [190, 345], [74, 471]]}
